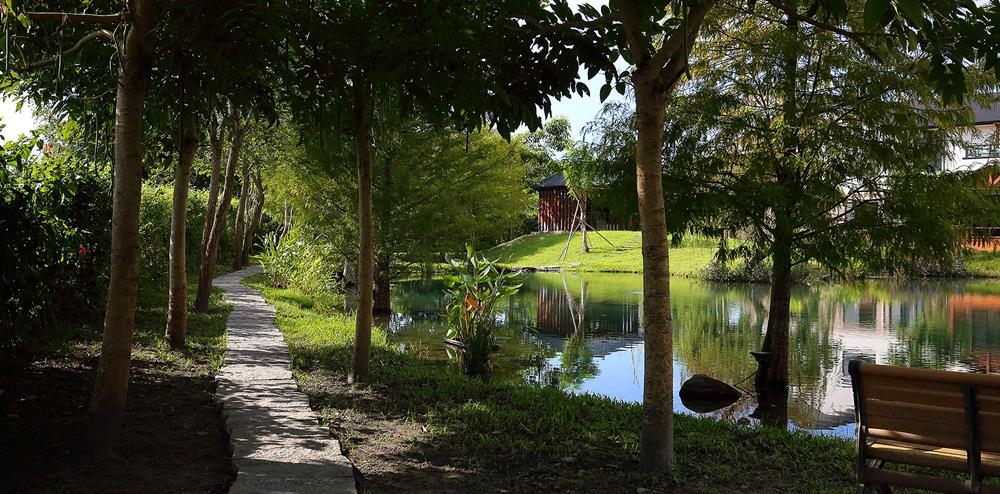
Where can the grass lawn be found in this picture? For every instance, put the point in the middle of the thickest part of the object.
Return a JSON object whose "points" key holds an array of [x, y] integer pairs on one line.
{"points": [[984, 264], [173, 438], [420, 425], [623, 254]]}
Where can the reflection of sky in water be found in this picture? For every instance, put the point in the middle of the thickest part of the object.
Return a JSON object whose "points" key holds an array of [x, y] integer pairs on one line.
{"points": [[581, 333]]}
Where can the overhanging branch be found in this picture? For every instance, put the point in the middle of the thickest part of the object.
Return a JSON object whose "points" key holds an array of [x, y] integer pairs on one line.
{"points": [[851, 35], [68, 17], [102, 33]]}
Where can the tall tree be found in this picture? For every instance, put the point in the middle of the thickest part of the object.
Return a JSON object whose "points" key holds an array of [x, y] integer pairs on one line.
{"points": [[187, 145], [795, 139], [656, 38], [463, 65], [237, 134], [108, 400]]}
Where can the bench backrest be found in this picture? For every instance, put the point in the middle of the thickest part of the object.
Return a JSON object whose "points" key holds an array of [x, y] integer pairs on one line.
{"points": [[926, 407]]}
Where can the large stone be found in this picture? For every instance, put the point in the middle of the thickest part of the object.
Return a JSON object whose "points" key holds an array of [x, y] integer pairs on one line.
{"points": [[704, 394]]}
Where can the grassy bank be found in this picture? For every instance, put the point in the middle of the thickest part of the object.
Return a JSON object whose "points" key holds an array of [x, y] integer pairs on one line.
{"points": [[983, 264], [422, 426], [173, 438], [621, 252], [624, 254]]}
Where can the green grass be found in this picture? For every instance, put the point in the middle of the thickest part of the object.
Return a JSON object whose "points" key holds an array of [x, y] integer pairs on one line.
{"points": [[205, 339], [983, 264], [622, 254], [520, 436]]}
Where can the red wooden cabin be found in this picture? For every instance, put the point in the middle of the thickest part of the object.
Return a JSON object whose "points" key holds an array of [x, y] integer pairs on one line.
{"points": [[556, 208]]}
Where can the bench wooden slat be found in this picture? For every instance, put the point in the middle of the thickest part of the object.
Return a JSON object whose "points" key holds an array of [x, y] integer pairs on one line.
{"points": [[899, 383], [930, 456], [893, 434], [914, 412], [948, 399], [871, 372], [989, 399], [914, 480]]}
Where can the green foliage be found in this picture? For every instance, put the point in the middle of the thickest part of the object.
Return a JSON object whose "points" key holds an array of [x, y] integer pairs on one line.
{"points": [[55, 233], [154, 230], [297, 261], [435, 190], [476, 285]]}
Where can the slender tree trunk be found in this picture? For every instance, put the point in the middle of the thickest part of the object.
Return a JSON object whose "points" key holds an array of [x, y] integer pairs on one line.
{"points": [[107, 403], [656, 448], [383, 284], [210, 255], [383, 263], [583, 225], [363, 329], [177, 305], [778, 318], [258, 211], [216, 139], [655, 77], [241, 213]]}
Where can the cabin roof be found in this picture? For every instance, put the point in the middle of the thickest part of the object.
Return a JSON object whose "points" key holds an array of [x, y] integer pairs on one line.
{"points": [[986, 115], [554, 181]]}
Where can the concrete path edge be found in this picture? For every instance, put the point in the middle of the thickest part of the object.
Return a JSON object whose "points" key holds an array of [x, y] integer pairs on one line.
{"points": [[278, 442]]}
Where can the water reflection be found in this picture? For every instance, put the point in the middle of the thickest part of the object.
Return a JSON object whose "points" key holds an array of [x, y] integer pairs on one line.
{"points": [[583, 333]]}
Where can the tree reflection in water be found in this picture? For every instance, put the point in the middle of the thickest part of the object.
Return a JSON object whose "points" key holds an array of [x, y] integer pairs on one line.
{"points": [[582, 332]]}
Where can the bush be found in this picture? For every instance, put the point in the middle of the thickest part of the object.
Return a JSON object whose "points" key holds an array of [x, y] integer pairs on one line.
{"points": [[154, 230], [55, 229], [297, 261]]}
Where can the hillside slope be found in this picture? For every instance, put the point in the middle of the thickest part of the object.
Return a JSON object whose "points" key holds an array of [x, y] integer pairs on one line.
{"points": [[622, 254]]}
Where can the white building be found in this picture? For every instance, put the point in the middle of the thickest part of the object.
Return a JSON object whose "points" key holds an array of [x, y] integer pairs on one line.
{"points": [[978, 147]]}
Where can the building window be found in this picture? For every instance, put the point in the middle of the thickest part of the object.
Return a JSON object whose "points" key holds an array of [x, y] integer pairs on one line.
{"points": [[980, 151]]}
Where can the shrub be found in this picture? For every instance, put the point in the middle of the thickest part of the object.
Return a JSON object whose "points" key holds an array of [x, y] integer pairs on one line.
{"points": [[55, 230], [297, 261], [154, 230]]}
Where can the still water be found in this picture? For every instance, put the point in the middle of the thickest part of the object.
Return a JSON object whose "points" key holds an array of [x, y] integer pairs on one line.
{"points": [[582, 332]]}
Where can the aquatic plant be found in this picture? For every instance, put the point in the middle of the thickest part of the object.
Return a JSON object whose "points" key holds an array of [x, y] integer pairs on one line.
{"points": [[475, 286]]}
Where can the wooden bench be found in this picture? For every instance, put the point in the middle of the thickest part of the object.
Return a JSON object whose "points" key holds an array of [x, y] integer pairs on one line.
{"points": [[939, 420]]}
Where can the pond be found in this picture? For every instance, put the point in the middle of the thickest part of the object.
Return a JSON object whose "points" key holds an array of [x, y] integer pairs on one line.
{"points": [[582, 332]]}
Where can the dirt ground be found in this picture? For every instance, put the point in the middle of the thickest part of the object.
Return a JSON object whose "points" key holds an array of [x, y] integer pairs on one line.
{"points": [[173, 438]]}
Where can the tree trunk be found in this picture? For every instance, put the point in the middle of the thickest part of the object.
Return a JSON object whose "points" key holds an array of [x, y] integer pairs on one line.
{"points": [[210, 255], [216, 139], [778, 318], [383, 284], [241, 213], [363, 329], [258, 211], [177, 305], [583, 225], [107, 403], [656, 448]]}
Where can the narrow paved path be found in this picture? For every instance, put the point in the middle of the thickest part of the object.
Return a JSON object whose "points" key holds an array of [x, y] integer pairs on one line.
{"points": [[278, 442]]}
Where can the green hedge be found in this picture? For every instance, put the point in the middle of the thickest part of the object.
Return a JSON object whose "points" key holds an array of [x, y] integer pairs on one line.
{"points": [[154, 231], [55, 232]]}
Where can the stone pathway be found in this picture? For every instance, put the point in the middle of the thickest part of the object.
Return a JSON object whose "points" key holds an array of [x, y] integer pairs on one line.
{"points": [[278, 442]]}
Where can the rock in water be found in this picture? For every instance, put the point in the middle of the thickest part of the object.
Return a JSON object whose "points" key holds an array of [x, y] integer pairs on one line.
{"points": [[703, 394]]}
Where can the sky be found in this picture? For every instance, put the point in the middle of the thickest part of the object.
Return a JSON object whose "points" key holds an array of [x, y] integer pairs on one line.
{"points": [[15, 122]]}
